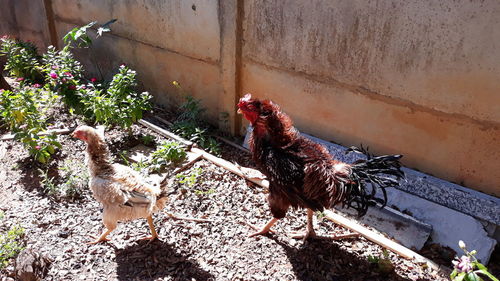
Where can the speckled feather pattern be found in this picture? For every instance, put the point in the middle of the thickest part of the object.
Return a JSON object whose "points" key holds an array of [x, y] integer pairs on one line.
{"points": [[122, 191], [301, 172]]}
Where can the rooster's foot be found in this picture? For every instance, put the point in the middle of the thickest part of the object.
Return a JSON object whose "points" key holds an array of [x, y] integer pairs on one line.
{"points": [[305, 236]]}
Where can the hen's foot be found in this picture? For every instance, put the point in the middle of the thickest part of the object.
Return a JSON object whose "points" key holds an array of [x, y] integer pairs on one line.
{"points": [[97, 240], [149, 238], [261, 232]]}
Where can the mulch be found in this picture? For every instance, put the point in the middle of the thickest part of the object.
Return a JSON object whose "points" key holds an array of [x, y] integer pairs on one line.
{"points": [[59, 227]]}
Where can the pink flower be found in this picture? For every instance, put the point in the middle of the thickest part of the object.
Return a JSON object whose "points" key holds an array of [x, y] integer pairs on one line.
{"points": [[37, 85], [93, 79], [64, 80], [72, 87], [68, 74], [83, 87], [463, 264], [37, 147], [53, 75], [123, 65], [55, 67], [20, 79], [5, 36]]}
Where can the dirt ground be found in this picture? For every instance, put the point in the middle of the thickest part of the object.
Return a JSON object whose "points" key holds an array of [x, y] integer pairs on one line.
{"points": [[216, 250]]}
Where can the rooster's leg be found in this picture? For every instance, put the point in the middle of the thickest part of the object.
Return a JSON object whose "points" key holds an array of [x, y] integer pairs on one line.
{"points": [[154, 235], [265, 229], [310, 233]]}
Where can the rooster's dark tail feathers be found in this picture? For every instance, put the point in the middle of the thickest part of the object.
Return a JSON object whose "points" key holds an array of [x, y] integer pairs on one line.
{"points": [[377, 172]]}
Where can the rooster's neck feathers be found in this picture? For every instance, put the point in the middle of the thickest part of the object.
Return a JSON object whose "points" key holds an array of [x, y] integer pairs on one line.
{"points": [[274, 126]]}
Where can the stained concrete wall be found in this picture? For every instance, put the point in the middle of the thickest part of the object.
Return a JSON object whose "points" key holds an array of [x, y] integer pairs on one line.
{"points": [[412, 77]]}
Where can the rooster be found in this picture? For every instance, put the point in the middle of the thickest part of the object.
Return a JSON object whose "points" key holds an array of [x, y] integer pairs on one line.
{"points": [[302, 173], [123, 192]]}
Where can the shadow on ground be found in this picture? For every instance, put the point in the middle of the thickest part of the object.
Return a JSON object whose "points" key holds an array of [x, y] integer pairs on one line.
{"points": [[155, 260], [330, 262]]}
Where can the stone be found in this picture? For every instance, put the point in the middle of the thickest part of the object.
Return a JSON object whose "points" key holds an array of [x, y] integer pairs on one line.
{"points": [[31, 266]]}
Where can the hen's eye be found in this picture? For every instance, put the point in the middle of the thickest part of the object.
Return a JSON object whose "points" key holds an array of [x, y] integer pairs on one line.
{"points": [[265, 113]]}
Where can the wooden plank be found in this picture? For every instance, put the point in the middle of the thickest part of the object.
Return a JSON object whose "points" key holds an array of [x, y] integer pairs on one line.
{"points": [[378, 238], [166, 133]]}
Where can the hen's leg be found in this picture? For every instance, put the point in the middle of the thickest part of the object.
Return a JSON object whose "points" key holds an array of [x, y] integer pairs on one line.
{"points": [[310, 233], [110, 226], [265, 229], [154, 235]]}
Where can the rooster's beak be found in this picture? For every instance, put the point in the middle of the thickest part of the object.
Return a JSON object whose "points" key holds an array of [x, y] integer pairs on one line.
{"points": [[239, 111]]}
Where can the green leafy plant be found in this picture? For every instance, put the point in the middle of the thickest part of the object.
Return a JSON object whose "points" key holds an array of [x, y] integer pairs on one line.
{"points": [[64, 74], [23, 112], [189, 124], [189, 179], [168, 153], [120, 104], [468, 268], [10, 244], [23, 60], [384, 264], [48, 184], [74, 179], [78, 36], [148, 140]]}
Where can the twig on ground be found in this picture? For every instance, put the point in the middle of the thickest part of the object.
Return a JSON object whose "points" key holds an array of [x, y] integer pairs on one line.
{"points": [[175, 217]]}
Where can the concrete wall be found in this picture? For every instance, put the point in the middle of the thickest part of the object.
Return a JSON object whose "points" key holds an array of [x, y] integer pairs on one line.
{"points": [[412, 77]]}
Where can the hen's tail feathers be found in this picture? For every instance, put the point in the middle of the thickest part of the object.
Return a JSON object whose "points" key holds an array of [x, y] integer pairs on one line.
{"points": [[377, 172]]}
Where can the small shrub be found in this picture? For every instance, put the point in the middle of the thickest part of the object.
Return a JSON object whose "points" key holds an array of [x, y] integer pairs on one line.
{"points": [[10, 244], [23, 59], [119, 104], [63, 74], [22, 111], [468, 268], [166, 154]]}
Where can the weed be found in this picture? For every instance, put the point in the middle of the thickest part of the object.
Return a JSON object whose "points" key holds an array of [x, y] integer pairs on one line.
{"points": [[74, 179], [384, 264], [189, 125], [2, 214], [48, 184], [201, 192], [10, 244], [190, 179], [148, 140], [166, 154]]}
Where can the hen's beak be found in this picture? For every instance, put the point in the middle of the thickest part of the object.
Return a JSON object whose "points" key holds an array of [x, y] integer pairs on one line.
{"points": [[239, 111]]}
